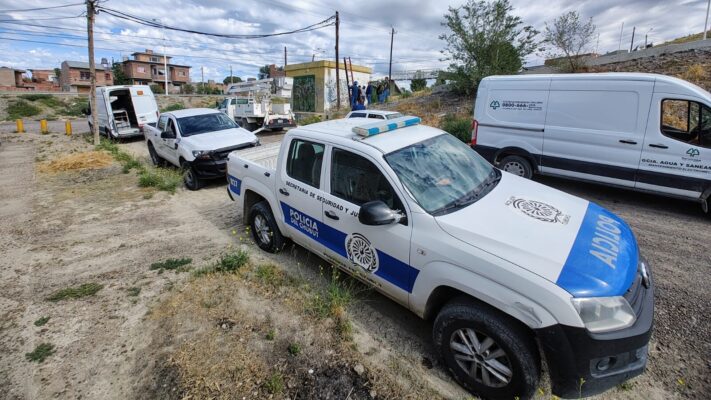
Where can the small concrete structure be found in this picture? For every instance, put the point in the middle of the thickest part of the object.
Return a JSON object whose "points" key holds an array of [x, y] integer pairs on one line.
{"points": [[314, 87]]}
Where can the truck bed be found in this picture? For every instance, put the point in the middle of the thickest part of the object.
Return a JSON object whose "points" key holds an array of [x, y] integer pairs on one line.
{"points": [[265, 156]]}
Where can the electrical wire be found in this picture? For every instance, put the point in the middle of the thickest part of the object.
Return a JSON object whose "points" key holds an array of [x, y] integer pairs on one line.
{"points": [[42, 8]]}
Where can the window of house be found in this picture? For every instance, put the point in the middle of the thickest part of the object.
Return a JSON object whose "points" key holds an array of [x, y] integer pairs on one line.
{"points": [[107, 77], [686, 121], [141, 70], [154, 59], [304, 162], [357, 180], [84, 75]]}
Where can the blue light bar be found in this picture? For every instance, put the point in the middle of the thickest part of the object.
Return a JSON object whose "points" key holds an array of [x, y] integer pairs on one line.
{"points": [[376, 128]]}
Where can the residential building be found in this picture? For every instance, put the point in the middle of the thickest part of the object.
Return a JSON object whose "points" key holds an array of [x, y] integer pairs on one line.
{"points": [[148, 68], [75, 76], [44, 76], [11, 77], [314, 87]]}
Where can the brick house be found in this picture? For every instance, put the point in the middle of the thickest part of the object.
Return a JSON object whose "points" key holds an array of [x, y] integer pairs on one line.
{"points": [[11, 77], [75, 77], [147, 68]]}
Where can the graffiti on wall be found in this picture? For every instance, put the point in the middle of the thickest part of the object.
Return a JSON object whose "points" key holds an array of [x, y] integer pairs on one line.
{"points": [[304, 93], [331, 92]]}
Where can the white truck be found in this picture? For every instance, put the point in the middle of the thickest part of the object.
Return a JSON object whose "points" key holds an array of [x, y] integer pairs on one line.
{"points": [[123, 111], [507, 268], [260, 105], [197, 140], [644, 132]]}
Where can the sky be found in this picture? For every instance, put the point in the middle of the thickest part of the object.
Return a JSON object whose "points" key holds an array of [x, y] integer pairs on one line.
{"points": [[43, 39]]}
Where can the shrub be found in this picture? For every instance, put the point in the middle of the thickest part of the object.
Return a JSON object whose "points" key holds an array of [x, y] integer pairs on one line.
{"points": [[171, 263], [21, 109], [84, 290], [311, 119], [164, 179], [40, 352], [457, 126], [173, 107], [230, 262]]}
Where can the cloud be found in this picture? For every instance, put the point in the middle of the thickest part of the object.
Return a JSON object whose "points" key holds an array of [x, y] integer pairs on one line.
{"points": [[364, 35]]}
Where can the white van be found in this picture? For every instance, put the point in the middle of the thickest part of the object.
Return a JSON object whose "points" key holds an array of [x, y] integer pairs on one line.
{"points": [[124, 110], [646, 132]]}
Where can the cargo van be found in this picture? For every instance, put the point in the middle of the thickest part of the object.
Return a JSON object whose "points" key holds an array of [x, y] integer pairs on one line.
{"points": [[645, 132], [124, 110]]}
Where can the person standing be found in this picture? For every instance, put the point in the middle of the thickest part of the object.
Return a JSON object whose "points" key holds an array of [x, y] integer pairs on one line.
{"points": [[368, 94], [355, 92]]}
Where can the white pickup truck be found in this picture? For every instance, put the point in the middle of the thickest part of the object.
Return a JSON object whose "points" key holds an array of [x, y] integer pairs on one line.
{"points": [[508, 268], [197, 140]]}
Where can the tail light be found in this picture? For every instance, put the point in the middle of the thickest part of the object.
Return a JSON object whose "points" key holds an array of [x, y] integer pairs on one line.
{"points": [[475, 130]]}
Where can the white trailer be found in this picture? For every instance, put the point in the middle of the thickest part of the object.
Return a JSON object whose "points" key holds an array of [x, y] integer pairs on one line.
{"points": [[261, 104]]}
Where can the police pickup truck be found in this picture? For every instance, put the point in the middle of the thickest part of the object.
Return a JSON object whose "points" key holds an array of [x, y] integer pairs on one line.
{"points": [[197, 140], [507, 268]]}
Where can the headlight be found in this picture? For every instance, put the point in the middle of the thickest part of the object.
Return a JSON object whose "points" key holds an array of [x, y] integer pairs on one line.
{"points": [[201, 154], [603, 314]]}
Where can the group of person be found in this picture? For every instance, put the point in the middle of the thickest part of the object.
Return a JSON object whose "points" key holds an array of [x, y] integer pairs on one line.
{"points": [[362, 96]]}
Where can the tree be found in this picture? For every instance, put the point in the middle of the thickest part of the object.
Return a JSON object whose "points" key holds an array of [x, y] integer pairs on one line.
{"points": [[187, 89], [119, 74], [418, 82], [58, 74], [570, 36], [263, 72], [485, 39], [157, 89], [231, 79]]}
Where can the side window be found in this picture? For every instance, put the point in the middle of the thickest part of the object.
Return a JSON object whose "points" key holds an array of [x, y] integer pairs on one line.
{"points": [[304, 162], [234, 102], [376, 116], [357, 115], [686, 121], [357, 180], [171, 126], [161, 122]]}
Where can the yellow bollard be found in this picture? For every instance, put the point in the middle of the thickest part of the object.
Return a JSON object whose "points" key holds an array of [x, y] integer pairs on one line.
{"points": [[43, 126], [68, 127], [20, 126]]}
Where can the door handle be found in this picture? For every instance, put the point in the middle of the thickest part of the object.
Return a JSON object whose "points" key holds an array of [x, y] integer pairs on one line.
{"points": [[627, 141], [283, 191], [331, 214], [659, 146]]}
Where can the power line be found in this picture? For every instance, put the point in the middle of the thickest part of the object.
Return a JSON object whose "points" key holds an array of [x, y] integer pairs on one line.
{"points": [[42, 19], [42, 8]]}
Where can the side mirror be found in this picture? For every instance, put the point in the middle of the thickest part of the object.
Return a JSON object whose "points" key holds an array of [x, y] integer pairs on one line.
{"points": [[167, 135], [378, 213]]}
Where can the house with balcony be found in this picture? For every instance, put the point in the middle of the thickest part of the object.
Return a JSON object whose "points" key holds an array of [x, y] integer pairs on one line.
{"points": [[147, 68], [75, 76]]}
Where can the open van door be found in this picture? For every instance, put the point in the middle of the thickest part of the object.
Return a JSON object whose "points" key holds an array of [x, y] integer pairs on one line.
{"points": [[144, 105], [676, 156]]}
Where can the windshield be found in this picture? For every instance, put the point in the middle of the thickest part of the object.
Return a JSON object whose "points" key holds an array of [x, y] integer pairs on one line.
{"points": [[198, 124], [443, 174], [393, 116]]}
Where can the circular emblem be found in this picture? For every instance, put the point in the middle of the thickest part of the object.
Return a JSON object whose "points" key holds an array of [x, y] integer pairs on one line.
{"points": [[361, 252], [538, 210]]}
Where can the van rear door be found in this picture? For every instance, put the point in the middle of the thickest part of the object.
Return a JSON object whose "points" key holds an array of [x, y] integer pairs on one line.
{"points": [[595, 129], [144, 104], [676, 157]]}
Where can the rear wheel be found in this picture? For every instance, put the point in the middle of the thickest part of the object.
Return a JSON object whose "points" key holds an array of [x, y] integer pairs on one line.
{"points": [[516, 165], [190, 178], [265, 230], [489, 353]]}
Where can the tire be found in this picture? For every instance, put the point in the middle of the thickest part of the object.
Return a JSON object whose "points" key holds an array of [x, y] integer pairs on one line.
{"points": [[157, 160], [192, 182], [517, 165], [265, 230], [516, 349]]}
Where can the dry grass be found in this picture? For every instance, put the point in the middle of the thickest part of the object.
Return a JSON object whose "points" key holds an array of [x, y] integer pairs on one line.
{"points": [[695, 73], [77, 161]]}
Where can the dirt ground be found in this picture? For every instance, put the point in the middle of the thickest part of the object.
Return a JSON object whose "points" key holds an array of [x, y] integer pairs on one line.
{"points": [[170, 334]]}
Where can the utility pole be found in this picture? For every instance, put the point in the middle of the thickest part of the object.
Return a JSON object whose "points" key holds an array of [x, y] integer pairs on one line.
{"points": [[284, 56], [90, 13], [619, 46], [706, 21], [202, 79], [338, 79], [632, 41], [390, 68]]}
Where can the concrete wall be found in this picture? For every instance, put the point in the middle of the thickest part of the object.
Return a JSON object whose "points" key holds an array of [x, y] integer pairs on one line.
{"points": [[650, 52]]}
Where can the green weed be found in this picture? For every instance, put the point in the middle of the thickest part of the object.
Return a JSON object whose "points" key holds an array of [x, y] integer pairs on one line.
{"points": [[230, 262], [274, 384], [171, 263], [41, 321], [133, 291], [294, 349], [457, 126], [86, 289], [40, 353], [21, 109], [172, 107], [270, 335], [339, 294], [311, 119], [165, 179]]}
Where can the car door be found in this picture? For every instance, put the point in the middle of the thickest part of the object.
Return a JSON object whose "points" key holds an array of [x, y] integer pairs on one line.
{"points": [[676, 157], [299, 191], [156, 139], [595, 128], [170, 145], [379, 255]]}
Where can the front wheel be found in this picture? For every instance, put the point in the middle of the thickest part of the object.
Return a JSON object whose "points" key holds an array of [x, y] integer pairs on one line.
{"points": [[264, 228], [517, 165], [192, 182], [489, 353], [155, 158]]}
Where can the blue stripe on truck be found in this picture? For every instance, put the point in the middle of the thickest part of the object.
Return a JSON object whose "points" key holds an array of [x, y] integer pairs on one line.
{"points": [[235, 184], [603, 259], [390, 268]]}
